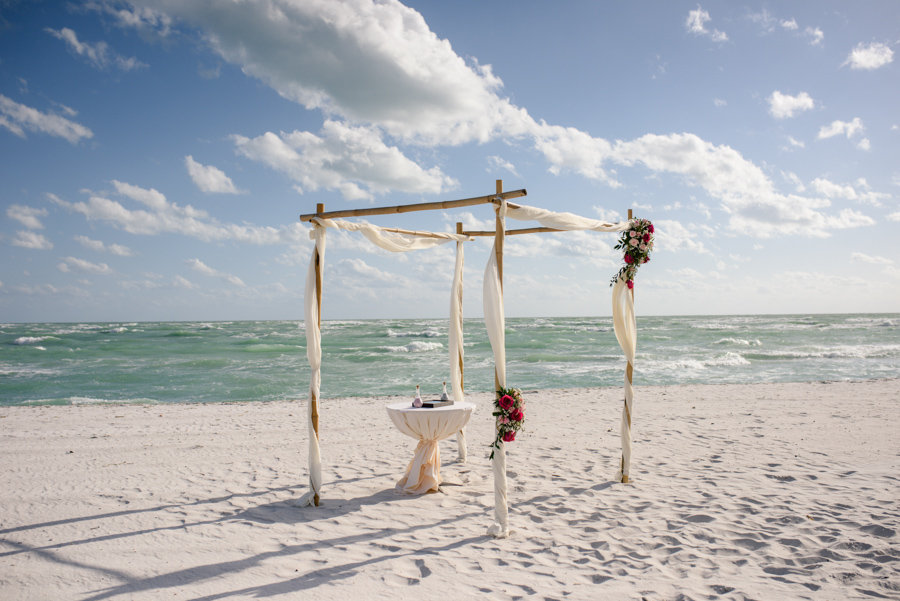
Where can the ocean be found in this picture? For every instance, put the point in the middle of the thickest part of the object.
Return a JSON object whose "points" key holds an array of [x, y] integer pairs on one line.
{"points": [[191, 362]]}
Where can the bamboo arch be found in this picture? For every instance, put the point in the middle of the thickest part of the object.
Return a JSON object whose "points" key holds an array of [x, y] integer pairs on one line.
{"points": [[623, 314]]}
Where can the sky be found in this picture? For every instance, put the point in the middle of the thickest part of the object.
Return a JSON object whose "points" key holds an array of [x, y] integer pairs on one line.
{"points": [[155, 155]]}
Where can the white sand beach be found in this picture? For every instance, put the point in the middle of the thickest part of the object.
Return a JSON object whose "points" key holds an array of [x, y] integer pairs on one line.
{"points": [[766, 491]]}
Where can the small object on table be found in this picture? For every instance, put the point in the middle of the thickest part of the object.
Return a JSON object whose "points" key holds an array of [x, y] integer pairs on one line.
{"points": [[417, 402], [444, 396], [423, 474]]}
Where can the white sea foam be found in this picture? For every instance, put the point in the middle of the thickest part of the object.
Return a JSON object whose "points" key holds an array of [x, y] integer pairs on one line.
{"points": [[23, 340], [423, 334], [739, 342], [415, 347]]}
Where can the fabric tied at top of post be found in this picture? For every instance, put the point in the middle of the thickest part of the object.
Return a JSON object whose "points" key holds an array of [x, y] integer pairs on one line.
{"points": [[626, 333], [314, 356], [563, 221], [495, 322]]}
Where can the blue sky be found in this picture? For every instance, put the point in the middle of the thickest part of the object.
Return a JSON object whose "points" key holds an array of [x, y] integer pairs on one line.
{"points": [[156, 154]]}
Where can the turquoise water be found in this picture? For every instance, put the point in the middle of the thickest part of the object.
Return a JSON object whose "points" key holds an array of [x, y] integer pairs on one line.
{"points": [[185, 362]]}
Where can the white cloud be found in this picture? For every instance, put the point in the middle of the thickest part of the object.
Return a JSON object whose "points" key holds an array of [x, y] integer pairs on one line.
{"points": [[790, 24], [27, 216], [496, 163], [69, 264], [32, 240], [208, 178], [838, 127], [796, 143], [869, 57], [745, 193], [182, 282], [169, 217], [19, 118], [861, 192], [377, 72], [874, 260], [696, 24], [100, 246], [364, 61], [895, 216], [201, 267], [864, 144], [353, 160], [98, 54], [719, 102], [783, 106], [144, 18], [815, 35], [673, 236]]}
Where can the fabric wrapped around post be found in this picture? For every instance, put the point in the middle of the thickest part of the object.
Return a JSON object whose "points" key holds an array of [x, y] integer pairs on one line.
{"points": [[455, 342], [626, 333], [495, 322], [314, 356]]}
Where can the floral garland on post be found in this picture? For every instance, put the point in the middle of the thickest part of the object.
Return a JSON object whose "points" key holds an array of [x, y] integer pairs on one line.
{"points": [[637, 242], [509, 409]]}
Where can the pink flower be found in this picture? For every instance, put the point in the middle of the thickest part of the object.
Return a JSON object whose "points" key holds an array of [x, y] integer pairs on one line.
{"points": [[509, 437], [633, 234], [503, 419], [628, 259], [643, 247], [633, 242], [506, 402]]}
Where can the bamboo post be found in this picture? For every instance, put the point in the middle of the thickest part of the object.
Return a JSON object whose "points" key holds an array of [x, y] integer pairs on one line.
{"points": [[314, 409], [629, 373]]}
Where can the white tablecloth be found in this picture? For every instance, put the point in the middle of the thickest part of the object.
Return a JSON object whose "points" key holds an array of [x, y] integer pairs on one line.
{"points": [[428, 426]]}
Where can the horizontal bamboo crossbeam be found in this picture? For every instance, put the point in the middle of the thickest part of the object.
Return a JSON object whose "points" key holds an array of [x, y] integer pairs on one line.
{"points": [[528, 230], [397, 230], [424, 206]]}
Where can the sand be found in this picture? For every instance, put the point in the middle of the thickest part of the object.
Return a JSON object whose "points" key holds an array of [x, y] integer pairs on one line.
{"points": [[767, 491]]}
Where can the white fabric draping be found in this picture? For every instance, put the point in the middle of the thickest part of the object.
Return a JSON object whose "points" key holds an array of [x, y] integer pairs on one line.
{"points": [[626, 333], [391, 241], [314, 356], [562, 221], [495, 322], [455, 342]]}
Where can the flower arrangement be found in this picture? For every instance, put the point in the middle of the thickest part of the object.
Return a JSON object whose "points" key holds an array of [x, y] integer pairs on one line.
{"points": [[637, 242], [509, 409]]}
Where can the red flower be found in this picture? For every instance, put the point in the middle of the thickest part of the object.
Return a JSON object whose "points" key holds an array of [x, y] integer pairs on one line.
{"points": [[506, 402], [646, 237], [509, 437], [630, 284], [651, 228], [629, 259]]}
